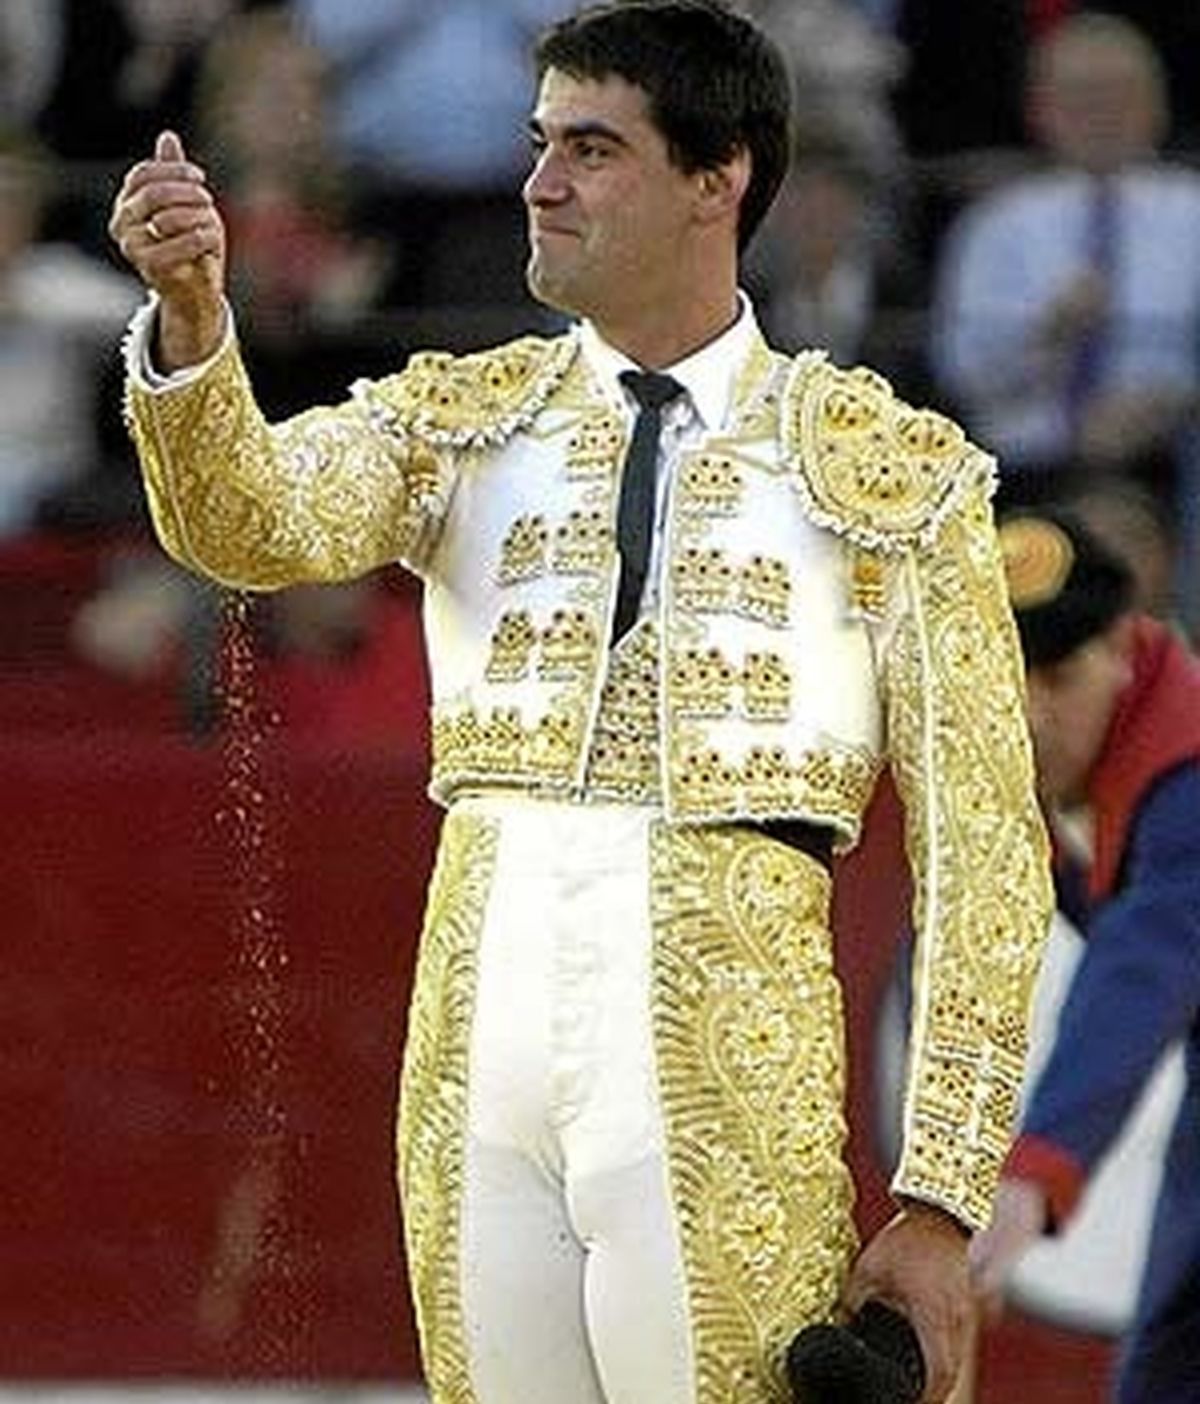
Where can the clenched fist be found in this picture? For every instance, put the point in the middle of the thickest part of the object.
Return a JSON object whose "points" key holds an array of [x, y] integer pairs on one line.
{"points": [[166, 224]]}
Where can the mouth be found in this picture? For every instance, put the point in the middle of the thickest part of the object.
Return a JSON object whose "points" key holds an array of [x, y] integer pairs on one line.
{"points": [[552, 231]]}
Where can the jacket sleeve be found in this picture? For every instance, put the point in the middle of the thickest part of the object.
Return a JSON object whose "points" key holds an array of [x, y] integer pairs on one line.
{"points": [[960, 752], [327, 495], [1136, 990]]}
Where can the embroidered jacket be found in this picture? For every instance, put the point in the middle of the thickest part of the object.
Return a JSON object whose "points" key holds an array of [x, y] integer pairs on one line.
{"points": [[832, 598]]}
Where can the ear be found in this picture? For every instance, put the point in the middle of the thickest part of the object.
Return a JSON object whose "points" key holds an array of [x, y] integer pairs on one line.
{"points": [[720, 190]]}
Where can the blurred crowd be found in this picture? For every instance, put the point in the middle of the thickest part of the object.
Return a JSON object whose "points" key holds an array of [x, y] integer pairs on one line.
{"points": [[997, 206]]}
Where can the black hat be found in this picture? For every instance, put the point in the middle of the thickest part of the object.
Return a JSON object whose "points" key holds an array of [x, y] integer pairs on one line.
{"points": [[1066, 586]]}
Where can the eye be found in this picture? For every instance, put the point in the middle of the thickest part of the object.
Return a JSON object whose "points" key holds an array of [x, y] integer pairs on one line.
{"points": [[591, 152]]}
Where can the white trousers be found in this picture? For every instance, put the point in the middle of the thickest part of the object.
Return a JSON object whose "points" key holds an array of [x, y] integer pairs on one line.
{"points": [[542, 1206], [573, 1289]]}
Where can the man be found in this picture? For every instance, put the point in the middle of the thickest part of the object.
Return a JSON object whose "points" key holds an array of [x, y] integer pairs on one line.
{"points": [[1115, 711], [621, 1124], [1068, 300]]}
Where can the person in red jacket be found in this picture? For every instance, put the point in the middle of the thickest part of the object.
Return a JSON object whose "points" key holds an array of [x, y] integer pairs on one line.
{"points": [[1114, 700]]}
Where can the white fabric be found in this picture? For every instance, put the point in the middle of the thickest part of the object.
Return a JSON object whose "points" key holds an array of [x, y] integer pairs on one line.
{"points": [[567, 1220]]}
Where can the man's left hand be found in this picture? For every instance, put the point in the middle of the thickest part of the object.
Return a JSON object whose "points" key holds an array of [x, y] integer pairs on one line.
{"points": [[917, 1264]]}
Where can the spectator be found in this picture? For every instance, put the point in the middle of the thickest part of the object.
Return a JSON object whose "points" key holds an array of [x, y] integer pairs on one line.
{"points": [[295, 264], [59, 309], [831, 269], [1067, 317], [442, 173], [31, 36], [843, 72], [128, 68], [1115, 713]]}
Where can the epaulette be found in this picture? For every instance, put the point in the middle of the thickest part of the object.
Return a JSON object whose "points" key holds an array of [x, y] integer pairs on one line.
{"points": [[474, 401], [870, 467]]}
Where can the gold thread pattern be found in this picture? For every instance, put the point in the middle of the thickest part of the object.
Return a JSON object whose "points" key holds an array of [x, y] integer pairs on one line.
{"points": [[979, 852], [512, 645], [322, 496], [625, 755], [748, 1034], [869, 466], [523, 550], [432, 1112]]}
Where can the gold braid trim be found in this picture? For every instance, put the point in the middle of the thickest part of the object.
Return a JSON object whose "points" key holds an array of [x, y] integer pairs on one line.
{"points": [[475, 401], [432, 1116], [870, 467], [748, 1032], [978, 848]]}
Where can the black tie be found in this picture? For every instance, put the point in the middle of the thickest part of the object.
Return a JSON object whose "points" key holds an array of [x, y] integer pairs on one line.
{"points": [[635, 515]]}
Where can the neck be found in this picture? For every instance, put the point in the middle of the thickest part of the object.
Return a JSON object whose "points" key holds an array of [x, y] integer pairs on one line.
{"points": [[660, 330]]}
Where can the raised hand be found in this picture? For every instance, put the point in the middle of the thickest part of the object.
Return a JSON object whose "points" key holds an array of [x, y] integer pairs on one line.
{"points": [[166, 224]]}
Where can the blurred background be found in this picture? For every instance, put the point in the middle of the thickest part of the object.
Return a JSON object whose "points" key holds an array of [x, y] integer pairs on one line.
{"points": [[215, 835]]}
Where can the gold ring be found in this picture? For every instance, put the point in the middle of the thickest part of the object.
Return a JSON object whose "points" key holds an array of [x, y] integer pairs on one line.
{"points": [[153, 230]]}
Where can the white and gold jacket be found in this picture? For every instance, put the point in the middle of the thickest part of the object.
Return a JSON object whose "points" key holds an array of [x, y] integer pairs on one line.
{"points": [[831, 598]]}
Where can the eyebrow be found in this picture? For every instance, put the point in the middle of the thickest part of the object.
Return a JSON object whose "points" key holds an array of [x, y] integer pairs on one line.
{"points": [[573, 131]]}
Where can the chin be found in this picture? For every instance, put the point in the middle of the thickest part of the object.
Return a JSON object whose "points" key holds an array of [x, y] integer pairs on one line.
{"points": [[550, 290]]}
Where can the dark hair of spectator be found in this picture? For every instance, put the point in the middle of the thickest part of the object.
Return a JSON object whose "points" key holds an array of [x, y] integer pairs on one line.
{"points": [[714, 83]]}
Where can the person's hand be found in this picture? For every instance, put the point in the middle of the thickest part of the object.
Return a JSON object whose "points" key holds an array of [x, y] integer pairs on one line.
{"points": [[917, 1264], [1018, 1221], [165, 222]]}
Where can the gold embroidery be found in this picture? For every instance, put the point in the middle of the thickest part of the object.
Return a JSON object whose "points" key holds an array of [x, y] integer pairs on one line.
{"points": [[470, 750], [473, 401], [765, 591], [512, 644], [832, 785], [748, 1034], [867, 590], [523, 552], [596, 446], [624, 761], [711, 484], [868, 465], [701, 683], [583, 545], [766, 687], [703, 580], [322, 496], [955, 696], [431, 1120], [570, 645]]}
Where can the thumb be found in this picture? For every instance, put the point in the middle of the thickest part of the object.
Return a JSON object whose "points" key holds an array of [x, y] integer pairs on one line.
{"points": [[168, 147]]}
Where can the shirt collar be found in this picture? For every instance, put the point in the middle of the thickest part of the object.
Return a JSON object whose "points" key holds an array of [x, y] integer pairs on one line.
{"points": [[708, 375]]}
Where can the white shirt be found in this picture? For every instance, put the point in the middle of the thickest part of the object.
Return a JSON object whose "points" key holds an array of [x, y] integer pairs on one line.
{"points": [[709, 377]]}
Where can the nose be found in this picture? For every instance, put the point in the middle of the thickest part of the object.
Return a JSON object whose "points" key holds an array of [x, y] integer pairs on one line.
{"points": [[546, 183]]}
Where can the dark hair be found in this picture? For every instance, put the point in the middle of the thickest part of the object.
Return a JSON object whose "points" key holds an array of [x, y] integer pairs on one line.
{"points": [[714, 83]]}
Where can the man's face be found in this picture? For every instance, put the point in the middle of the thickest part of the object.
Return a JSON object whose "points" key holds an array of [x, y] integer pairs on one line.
{"points": [[1097, 107], [1071, 706], [607, 209]]}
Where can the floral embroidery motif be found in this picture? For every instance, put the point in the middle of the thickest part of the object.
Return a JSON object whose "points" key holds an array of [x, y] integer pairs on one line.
{"points": [[869, 466], [748, 1020]]}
